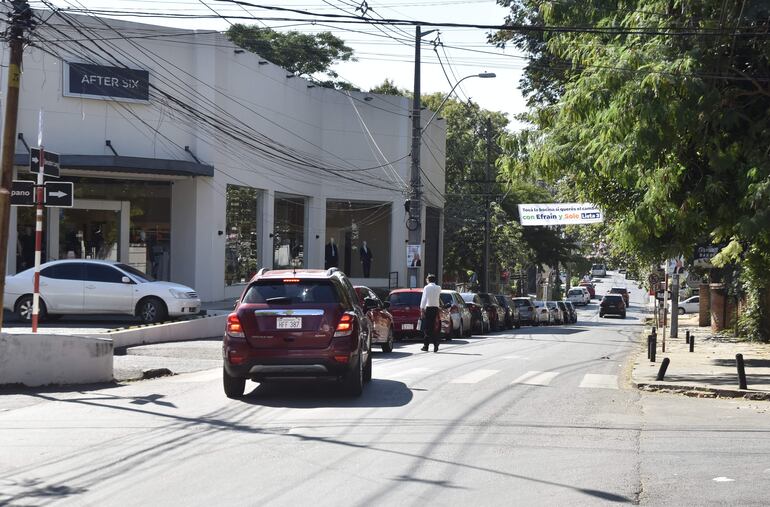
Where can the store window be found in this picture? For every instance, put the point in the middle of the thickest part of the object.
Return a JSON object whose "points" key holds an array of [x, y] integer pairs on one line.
{"points": [[289, 232], [359, 234], [25, 238], [241, 245]]}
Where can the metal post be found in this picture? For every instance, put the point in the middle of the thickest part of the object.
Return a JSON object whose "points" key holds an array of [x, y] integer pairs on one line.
{"points": [[692, 343], [662, 370], [38, 239], [653, 346], [20, 18], [665, 307], [741, 372], [487, 225], [687, 336], [414, 277], [675, 305]]}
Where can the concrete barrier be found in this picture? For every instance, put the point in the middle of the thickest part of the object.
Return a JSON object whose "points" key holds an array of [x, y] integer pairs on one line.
{"points": [[194, 329], [44, 359]]}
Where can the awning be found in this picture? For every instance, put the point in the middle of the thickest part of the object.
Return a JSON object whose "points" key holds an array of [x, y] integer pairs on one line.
{"points": [[142, 165]]}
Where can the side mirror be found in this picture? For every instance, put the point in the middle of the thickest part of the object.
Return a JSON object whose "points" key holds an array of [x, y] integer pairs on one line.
{"points": [[125, 279], [370, 304], [386, 304]]}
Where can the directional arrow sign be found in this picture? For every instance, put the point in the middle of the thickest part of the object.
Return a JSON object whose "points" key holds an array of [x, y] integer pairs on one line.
{"points": [[23, 193], [59, 194], [51, 166]]}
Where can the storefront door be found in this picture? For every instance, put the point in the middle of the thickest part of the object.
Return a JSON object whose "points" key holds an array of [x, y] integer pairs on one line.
{"points": [[91, 229]]}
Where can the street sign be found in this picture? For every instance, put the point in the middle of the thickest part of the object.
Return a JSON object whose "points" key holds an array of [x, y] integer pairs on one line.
{"points": [[51, 167], [23, 193], [653, 279], [58, 194]]}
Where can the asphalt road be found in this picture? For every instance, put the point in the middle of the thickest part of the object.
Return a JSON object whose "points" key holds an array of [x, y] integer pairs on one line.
{"points": [[539, 416]]}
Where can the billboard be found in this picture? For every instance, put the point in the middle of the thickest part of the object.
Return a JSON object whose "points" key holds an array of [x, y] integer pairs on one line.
{"points": [[559, 214]]}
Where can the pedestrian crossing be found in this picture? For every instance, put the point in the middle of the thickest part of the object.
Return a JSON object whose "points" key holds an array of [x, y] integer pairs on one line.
{"points": [[530, 378]]}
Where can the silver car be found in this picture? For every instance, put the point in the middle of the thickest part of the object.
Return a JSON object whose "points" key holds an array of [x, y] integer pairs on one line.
{"points": [[543, 315], [557, 313]]}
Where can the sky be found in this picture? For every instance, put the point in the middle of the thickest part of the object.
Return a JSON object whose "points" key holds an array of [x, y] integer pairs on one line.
{"points": [[378, 55]]}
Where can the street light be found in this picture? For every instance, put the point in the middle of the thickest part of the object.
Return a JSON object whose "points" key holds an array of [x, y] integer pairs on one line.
{"points": [[483, 75]]}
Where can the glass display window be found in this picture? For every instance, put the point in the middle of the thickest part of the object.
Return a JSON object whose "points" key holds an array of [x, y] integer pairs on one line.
{"points": [[241, 240], [289, 232], [359, 233]]}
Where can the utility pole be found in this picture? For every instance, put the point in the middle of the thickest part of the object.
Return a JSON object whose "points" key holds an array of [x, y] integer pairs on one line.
{"points": [[675, 303], [487, 190], [20, 18]]}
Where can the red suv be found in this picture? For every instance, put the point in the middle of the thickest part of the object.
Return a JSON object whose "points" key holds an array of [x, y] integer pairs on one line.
{"points": [[304, 323]]}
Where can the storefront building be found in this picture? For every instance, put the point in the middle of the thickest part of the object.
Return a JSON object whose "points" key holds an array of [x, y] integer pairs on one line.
{"points": [[197, 162]]}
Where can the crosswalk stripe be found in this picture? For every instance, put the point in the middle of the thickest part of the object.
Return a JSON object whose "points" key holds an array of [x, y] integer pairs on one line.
{"points": [[474, 376], [412, 372], [536, 378], [597, 381]]}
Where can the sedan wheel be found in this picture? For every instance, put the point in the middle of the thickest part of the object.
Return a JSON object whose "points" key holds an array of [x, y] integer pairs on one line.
{"points": [[24, 309], [681, 311], [152, 310]]}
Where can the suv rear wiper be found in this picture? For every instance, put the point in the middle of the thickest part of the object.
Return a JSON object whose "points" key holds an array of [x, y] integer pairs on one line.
{"points": [[279, 300]]}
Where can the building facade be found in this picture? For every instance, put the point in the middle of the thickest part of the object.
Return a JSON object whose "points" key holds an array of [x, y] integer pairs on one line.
{"points": [[198, 162]]}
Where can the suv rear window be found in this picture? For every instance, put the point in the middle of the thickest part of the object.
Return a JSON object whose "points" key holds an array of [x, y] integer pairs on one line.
{"points": [[522, 302], [405, 299], [278, 292]]}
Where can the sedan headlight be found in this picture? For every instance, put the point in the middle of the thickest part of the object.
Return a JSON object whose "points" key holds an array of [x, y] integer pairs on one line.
{"points": [[180, 294]]}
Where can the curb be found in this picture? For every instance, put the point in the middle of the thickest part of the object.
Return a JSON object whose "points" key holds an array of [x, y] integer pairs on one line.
{"points": [[702, 392]]}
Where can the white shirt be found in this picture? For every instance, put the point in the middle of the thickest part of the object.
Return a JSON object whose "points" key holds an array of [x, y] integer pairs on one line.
{"points": [[431, 296]]}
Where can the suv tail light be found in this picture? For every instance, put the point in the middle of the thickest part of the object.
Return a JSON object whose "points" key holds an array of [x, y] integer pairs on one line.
{"points": [[345, 326], [234, 327]]}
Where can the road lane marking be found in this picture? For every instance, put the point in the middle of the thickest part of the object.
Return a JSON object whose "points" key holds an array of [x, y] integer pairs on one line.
{"points": [[514, 357], [597, 381], [474, 377], [536, 378], [412, 372]]}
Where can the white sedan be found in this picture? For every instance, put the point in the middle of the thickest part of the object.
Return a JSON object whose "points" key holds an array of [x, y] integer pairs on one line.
{"points": [[98, 287], [689, 305]]}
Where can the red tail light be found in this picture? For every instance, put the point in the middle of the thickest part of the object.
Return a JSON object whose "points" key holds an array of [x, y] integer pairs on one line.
{"points": [[345, 325], [291, 280], [235, 357], [234, 327]]}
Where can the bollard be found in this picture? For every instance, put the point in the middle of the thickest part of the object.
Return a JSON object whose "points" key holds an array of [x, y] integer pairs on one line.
{"points": [[653, 346], [741, 371], [687, 336], [692, 343], [649, 345], [663, 368]]}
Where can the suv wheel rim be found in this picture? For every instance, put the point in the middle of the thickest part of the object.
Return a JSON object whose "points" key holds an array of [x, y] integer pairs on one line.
{"points": [[25, 309]]}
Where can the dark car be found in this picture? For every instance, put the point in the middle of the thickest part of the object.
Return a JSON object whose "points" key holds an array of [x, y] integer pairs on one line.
{"points": [[494, 311], [404, 306], [622, 291], [303, 323], [480, 317], [612, 304], [511, 313], [382, 320], [526, 310], [566, 312], [572, 311], [459, 314]]}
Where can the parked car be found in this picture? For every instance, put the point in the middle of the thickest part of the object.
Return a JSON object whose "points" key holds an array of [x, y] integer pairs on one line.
{"points": [[90, 287], [558, 315], [380, 317], [303, 323], [511, 318], [623, 292], [404, 306], [572, 311], [599, 270], [690, 305], [459, 314], [526, 310], [612, 304], [514, 312], [480, 317], [545, 317], [494, 311], [579, 296], [589, 287]]}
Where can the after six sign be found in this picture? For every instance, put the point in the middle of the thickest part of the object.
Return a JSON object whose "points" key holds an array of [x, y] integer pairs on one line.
{"points": [[107, 83], [559, 214]]}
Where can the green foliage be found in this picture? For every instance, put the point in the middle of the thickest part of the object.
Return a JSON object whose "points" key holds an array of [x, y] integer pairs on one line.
{"points": [[300, 53], [668, 133], [388, 87]]}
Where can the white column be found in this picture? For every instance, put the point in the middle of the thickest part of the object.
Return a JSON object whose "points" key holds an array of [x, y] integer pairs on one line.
{"points": [[315, 236], [267, 215]]}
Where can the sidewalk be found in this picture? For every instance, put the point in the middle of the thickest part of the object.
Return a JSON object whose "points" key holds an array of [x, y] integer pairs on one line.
{"points": [[710, 370]]}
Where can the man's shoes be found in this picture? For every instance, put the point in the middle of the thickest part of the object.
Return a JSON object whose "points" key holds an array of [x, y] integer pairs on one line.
{"points": [[424, 348], [435, 348]]}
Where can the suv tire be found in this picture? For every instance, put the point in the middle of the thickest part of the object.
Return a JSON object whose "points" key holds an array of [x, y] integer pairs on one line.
{"points": [[368, 368], [234, 386], [353, 381], [388, 345]]}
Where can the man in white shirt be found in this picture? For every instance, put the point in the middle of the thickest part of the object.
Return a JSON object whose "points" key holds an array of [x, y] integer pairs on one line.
{"points": [[429, 307]]}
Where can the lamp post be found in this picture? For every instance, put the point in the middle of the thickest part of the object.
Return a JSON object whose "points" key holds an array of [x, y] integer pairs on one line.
{"points": [[415, 205]]}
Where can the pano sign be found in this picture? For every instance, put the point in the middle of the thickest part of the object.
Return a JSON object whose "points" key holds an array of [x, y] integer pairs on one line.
{"points": [[559, 214], [102, 82]]}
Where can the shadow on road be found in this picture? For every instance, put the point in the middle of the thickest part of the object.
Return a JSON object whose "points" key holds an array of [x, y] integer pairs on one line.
{"points": [[303, 394]]}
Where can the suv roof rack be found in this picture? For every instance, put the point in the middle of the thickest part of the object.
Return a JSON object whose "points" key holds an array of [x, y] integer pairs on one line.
{"points": [[262, 271], [331, 270]]}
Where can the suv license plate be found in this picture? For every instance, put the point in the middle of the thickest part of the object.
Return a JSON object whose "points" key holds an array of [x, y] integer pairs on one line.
{"points": [[289, 323], [407, 327]]}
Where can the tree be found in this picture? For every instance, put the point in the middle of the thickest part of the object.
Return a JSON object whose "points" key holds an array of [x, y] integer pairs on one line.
{"points": [[666, 127], [388, 87], [299, 53]]}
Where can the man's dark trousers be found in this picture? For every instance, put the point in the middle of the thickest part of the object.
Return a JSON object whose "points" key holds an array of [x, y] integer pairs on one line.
{"points": [[429, 326]]}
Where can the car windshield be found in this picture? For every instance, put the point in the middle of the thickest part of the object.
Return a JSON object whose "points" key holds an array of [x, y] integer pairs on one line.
{"points": [[597, 266], [540, 304], [405, 298], [140, 276], [617, 290], [446, 298], [612, 298], [575, 292], [521, 302], [278, 292], [468, 297], [486, 299]]}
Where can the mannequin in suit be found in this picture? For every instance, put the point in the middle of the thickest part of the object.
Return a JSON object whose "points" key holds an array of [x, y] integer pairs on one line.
{"points": [[331, 255], [366, 259]]}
